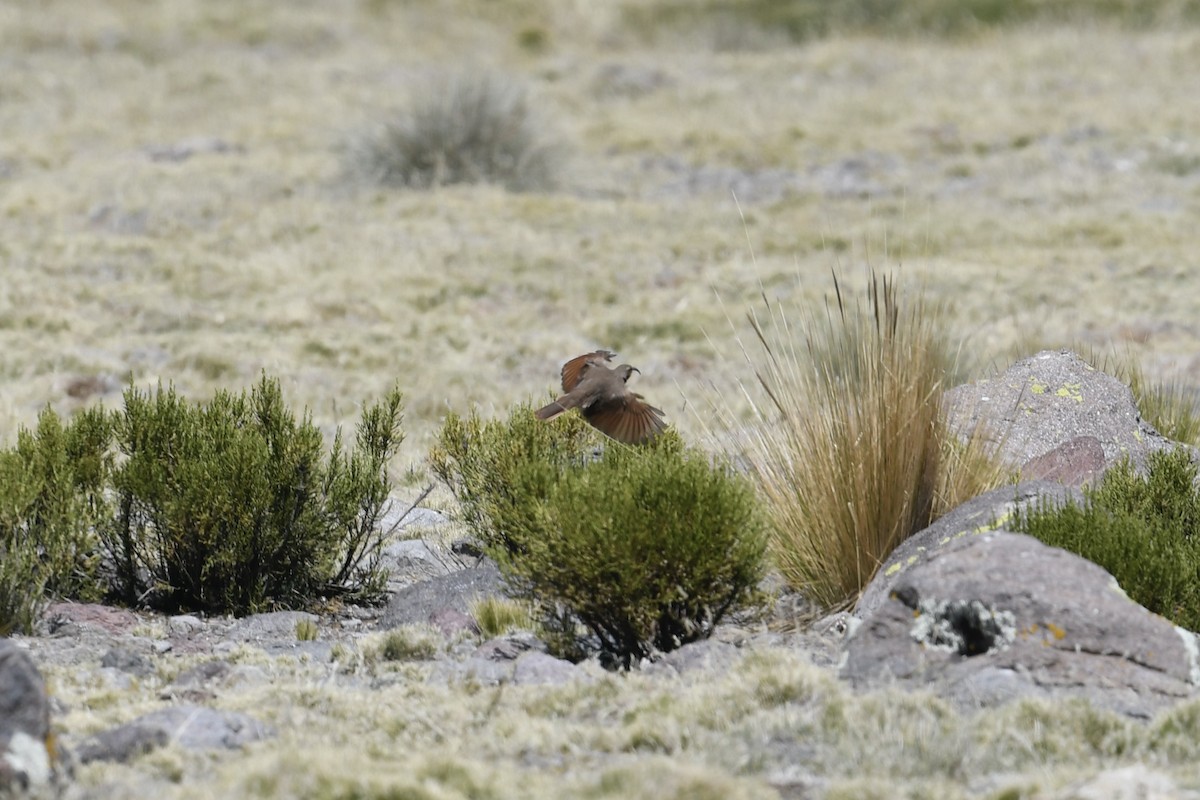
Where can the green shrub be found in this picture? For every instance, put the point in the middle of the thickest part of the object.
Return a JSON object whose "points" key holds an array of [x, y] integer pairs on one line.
{"points": [[644, 547], [231, 505], [850, 450], [501, 472], [466, 128], [51, 499], [1143, 528]]}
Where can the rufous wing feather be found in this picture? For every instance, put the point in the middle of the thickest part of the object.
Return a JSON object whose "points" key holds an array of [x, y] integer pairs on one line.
{"points": [[631, 421], [572, 371]]}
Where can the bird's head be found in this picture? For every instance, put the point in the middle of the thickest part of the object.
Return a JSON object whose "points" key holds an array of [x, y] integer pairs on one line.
{"points": [[626, 370]]}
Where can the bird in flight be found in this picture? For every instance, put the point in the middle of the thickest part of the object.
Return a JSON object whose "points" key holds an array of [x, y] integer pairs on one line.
{"points": [[600, 394]]}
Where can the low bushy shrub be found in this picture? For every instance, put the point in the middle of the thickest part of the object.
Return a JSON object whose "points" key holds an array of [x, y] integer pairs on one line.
{"points": [[51, 499], [644, 548], [1144, 528], [232, 505], [226, 506], [501, 472], [464, 128]]}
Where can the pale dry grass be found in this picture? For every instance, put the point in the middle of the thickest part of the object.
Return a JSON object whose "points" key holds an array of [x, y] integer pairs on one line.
{"points": [[771, 722], [849, 445], [1005, 162]]}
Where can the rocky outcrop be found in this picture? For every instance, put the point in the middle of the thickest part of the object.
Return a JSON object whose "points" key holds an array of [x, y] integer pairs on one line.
{"points": [[26, 748], [1042, 403], [980, 515], [999, 616]]}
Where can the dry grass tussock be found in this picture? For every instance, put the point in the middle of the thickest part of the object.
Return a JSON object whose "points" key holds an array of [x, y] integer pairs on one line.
{"points": [[464, 127], [850, 448]]}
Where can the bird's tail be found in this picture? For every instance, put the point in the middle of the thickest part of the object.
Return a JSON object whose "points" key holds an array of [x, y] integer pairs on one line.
{"points": [[551, 411]]}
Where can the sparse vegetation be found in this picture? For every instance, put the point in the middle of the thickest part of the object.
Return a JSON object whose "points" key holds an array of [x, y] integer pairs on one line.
{"points": [[497, 616], [647, 548], [850, 450], [1144, 529], [803, 20], [306, 630], [1037, 193], [464, 128], [407, 643]]}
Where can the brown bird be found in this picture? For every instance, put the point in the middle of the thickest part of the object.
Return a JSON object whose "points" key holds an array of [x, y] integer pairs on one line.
{"points": [[601, 396]]}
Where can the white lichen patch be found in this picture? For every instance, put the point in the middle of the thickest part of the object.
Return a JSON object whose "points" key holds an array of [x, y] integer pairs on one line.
{"points": [[965, 627]]}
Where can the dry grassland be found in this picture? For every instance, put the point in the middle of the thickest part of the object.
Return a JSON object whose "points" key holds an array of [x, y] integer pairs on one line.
{"points": [[1045, 182], [176, 205]]}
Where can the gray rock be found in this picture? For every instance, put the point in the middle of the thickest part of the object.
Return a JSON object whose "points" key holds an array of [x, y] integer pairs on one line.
{"points": [[1041, 402], [696, 657], [419, 602], [980, 515], [127, 660], [994, 617], [190, 727], [413, 560], [184, 625], [274, 627], [26, 761]]}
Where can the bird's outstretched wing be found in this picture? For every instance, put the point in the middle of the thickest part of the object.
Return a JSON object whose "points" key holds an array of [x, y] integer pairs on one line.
{"points": [[573, 370], [628, 419]]}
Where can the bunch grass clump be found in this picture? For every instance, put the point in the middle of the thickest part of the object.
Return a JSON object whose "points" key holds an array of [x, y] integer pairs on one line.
{"points": [[1144, 528], [497, 616], [472, 127], [851, 450], [636, 550]]}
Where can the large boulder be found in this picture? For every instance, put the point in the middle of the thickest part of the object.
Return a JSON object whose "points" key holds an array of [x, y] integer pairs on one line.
{"points": [[1041, 403], [26, 749], [983, 514], [998, 616]]}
